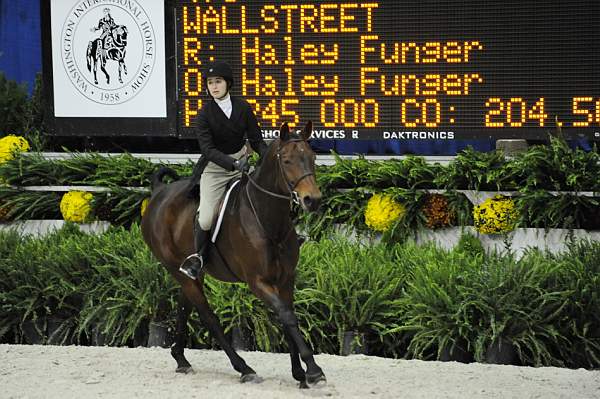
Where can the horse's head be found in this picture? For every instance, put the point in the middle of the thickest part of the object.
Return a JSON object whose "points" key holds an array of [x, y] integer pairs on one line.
{"points": [[297, 166], [119, 34]]}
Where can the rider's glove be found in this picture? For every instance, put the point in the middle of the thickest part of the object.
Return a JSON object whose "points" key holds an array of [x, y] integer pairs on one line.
{"points": [[242, 165]]}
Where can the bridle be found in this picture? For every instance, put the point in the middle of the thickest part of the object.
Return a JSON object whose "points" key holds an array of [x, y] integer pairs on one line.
{"points": [[290, 184]]}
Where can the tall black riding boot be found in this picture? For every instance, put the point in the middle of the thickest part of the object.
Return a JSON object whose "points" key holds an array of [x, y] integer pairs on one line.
{"points": [[192, 265]]}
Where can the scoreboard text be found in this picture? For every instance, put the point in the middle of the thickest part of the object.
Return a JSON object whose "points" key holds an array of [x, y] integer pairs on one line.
{"points": [[399, 69]]}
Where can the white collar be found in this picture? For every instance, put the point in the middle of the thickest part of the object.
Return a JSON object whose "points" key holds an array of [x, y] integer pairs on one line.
{"points": [[224, 100], [225, 105]]}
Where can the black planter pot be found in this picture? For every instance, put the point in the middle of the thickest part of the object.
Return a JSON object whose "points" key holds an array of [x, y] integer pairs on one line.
{"points": [[60, 331], [456, 352], [239, 340], [34, 331], [159, 335], [354, 343], [140, 336], [502, 351], [98, 338]]}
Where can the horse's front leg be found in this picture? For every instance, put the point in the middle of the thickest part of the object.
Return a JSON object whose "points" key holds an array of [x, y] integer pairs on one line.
{"points": [[287, 297], [184, 308], [194, 292], [280, 299], [120, 68], [123, 61], [297, 371]]}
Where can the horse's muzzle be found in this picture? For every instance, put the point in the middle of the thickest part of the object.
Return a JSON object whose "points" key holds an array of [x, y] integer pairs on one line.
{"points": [[311, 202]]}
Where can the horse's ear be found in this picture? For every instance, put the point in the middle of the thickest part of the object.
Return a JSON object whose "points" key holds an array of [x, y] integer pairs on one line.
{"points": [[284, 132], [307, 131]]}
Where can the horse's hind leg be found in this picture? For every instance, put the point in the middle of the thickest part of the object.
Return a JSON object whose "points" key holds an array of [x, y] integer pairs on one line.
{"points": [[281, 301], [193, 290], [95, 71], [184, 308], [105, 72]]}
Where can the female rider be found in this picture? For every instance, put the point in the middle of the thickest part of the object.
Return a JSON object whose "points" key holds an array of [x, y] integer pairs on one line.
{"points": [[224, 124]]}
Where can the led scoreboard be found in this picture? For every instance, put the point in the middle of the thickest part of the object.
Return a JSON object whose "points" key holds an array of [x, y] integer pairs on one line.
{"points": [[398, 69]]}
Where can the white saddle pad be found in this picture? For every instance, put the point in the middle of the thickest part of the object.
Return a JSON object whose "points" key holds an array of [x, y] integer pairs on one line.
{"points": [[222, 212]]}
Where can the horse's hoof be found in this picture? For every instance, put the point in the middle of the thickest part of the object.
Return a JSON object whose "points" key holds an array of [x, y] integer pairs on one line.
{"points": [[303, 385], [251, 377], [184, 369], [300, 377], [315, 381]]}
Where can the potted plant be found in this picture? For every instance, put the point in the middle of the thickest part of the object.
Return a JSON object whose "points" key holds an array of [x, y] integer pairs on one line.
{"points": [[129, 292], [580, 324], [439, 311], [520, 309], [42, 288], [351, 289]]}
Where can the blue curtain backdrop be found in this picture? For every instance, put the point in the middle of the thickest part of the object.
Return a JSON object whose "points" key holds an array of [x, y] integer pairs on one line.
{"points": [[20, 41], [401, 147]]}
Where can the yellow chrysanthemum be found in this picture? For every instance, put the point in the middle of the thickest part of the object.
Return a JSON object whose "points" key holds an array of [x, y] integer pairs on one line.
{"points": [[495, 215], [11, 144], [75, 206], [144, 205], [382, 211]]}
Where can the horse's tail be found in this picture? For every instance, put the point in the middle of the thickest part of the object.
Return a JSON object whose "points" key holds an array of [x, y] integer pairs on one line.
{"points": [[157, 177]]}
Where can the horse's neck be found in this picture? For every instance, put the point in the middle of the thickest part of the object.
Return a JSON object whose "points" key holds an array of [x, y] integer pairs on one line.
{"points": [[269, 176], [271, 209]]}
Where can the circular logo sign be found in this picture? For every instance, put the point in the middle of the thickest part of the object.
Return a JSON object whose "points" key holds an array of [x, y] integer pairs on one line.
{"points": [[108, 51]]}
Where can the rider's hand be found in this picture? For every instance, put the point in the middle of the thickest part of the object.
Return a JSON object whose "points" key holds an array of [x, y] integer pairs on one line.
{"points": [[242, 165]]}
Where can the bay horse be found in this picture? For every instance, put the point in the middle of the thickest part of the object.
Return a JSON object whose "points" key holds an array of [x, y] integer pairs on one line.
{"points": [[112, 48], [257, 245]]}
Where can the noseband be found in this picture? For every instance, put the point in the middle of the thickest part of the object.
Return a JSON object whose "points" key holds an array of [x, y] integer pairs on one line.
{"points": [[291, 185]]}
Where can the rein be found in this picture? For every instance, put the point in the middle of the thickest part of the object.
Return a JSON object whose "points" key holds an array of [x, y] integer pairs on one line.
{"points": [[292, 196], [255, 184]]}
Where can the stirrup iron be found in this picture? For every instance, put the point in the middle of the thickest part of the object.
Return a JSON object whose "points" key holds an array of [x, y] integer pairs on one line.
{"points": [[192, 270]]}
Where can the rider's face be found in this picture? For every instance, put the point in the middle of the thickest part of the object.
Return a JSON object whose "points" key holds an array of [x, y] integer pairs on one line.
{"points": [[217, 87]]}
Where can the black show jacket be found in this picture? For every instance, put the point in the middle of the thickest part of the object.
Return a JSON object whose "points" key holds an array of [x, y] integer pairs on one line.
{"points": [[218, 135]]}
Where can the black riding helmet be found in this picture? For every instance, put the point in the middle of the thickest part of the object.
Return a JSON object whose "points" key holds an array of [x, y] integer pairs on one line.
{"points": [[218, 69]]}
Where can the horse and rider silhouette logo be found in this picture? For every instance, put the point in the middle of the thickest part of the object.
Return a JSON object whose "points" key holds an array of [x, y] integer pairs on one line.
{"points": [[111, 45], [109, 52]]}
